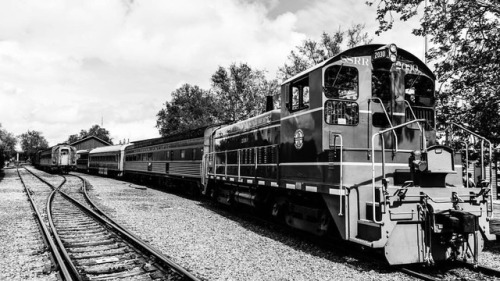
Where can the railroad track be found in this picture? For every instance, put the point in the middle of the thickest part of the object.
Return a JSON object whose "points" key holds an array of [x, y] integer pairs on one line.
{"points": [[90, 246], [456, 270], [452, 270]]}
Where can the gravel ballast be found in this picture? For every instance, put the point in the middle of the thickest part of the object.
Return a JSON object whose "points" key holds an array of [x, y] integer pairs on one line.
{"points": [[22, 253], [215, 244]]}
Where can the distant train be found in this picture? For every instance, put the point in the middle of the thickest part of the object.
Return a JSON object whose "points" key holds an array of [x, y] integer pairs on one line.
{"points": [[59, 158], [352, 152]]}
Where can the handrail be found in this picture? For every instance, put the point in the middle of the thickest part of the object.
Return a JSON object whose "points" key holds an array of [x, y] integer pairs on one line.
{"points": [[414, 116], [388, 119], [422, 144], [380, 133], [483, 170], [341, 187]]}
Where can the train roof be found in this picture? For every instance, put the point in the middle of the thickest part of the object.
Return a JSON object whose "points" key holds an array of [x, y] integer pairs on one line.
{"points": [[258, 121], [55, 146], [111, 148], [195, 133], [364, 50]]}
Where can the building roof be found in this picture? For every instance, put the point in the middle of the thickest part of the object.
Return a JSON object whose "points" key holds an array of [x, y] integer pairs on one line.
{"points": [[88, 138]]}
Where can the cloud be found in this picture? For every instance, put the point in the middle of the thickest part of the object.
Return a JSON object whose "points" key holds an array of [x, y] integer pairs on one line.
{"points": [[66, 64]]}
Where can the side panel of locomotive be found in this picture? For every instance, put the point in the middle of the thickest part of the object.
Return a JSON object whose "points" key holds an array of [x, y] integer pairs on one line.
{"points": [[242, 157]]}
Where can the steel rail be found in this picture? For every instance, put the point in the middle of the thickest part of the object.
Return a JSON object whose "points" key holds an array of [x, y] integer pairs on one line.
{"points": [[72, 267], [59, 258], [103, 218], [482, 269], [417, 274]]}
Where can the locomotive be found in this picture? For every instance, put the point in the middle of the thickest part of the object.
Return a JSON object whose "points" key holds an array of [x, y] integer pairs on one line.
{"points": [[60, 158], [352, 152]]}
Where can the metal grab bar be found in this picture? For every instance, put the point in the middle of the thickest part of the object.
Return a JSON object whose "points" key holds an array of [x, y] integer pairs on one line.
{"points": [[422, 140], [414, 116], [386, 115], [381, 135], [489, 207], [341, 186]]}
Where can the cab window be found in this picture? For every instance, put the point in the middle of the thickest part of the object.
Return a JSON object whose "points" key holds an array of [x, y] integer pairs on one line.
{"points": [[381, 85], [341, 82], [338, 112], [419, 90], [298, 97]]}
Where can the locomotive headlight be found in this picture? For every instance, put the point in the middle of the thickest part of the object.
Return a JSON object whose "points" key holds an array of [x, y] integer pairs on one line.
{"points": [[393, 58], [393, 49]]}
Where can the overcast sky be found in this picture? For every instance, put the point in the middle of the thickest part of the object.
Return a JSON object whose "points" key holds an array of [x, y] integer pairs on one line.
{"points": [[67, 65]]}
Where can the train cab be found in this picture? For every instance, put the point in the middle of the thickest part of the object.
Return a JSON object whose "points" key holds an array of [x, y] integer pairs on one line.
{"points": [[359, 129]]}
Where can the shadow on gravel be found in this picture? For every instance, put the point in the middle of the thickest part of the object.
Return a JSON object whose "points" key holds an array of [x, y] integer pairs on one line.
{"points": [[2, 174], [493, 246], [362, 261], [346, 253]]}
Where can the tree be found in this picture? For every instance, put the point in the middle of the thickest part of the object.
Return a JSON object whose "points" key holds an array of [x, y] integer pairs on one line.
{"points": [[31, 142], [7, 145], [7, 141], [73, 138], [191, 107], [241, 91], [237, 93], [465, 39], [311, 52], [95, 130]]}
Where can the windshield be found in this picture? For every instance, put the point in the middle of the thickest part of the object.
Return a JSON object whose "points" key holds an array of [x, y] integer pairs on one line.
{"points": [[381, 85], [419, 90]]}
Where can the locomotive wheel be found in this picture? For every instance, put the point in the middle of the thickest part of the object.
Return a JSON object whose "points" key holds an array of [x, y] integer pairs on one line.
{"points": [[213, 193], [324, 223], [277, 210]]}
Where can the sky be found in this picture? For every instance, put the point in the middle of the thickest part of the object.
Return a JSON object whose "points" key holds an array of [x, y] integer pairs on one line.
{"points": [[66, 65]]}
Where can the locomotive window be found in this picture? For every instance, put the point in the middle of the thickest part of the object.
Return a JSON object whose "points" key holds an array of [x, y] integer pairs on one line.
{"points": [[183, 154], [419, 90], [299, 95], [381, 85], [341, 82], [300, 98], [341, 112]]}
